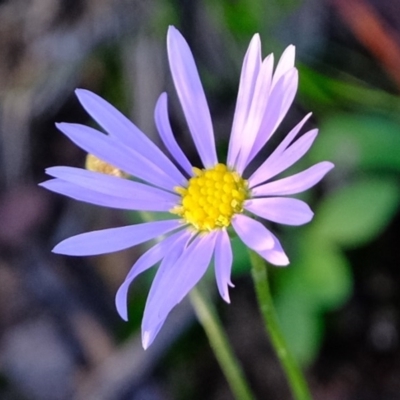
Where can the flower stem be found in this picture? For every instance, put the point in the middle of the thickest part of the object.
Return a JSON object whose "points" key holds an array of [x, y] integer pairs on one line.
{"points": [[228, 362], [293, 373]]}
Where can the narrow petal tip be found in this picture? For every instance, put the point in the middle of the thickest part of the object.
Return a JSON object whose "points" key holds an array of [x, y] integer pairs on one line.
{"points": [[64, 127], [123, 313], [56, 250], [163, 97], [256, 40], [121, 303], [78, 91], [146, 340], [83, 92], [280, 260], [329, 165], [59, 249], [124, 317], [227, 298], [172, 31], [325, 167]]}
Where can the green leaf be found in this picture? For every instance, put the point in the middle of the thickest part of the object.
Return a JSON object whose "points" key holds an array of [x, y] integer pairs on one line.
{"points": [[321, 273], [324, 273], [301, 326], [356, 214], [318, 280], [359, 141], [241, 262], [324, 93]]}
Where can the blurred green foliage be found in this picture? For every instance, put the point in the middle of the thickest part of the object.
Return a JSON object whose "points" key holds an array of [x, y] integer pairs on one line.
{"points": [[362, 201], [327, 95], [358, 142], [356, 214]]}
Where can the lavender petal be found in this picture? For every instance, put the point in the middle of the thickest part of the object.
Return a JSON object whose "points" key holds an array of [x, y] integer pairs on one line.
{"points": [[260, 239], [259, 105], [122, 129], [191, 96], [285, 63], [223, 264], [111, 151], [259, 175], [146, 261], [280, 99], [114, 239], [281, 210], [152, 321], [174, 280], [285, 160], [110, 185], [167, 136], [296, 183], [114, 201], [248, 77]]}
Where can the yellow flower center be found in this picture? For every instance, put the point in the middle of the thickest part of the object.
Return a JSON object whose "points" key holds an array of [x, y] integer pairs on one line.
{"points": [[212, 197]]}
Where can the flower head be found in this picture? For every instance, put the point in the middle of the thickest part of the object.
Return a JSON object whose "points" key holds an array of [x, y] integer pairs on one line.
{"points": [[204, 201]]}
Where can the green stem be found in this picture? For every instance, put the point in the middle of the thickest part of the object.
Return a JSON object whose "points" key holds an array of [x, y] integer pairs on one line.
{"points": [[229, 364], [293, 373]]}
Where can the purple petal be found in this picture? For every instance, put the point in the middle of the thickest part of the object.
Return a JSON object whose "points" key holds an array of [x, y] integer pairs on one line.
{"points": [[149, 335], [167, 136], [281, 210], [277, 255], [192, 265], [174, 280], [259, 105], [260, 239], [152, 322], [112, 152], [114, 239], [223, 264], [253, 233], [191, 96], [114, 201], [121, 128], [168, 264], [111, 185], [146, 261], [284, 144], [280, 100], [280, 163], [296, 183], [259, 175], [250, 69], [285, 63]]}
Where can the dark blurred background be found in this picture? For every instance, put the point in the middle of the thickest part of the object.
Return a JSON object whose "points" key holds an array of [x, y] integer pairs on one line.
{"points": [[338, 302]]}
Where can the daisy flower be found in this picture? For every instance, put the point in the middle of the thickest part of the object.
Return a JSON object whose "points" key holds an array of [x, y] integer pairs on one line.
{"points": [[204, 202]]}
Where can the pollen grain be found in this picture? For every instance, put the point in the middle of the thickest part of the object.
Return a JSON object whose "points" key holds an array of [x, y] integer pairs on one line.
{"points": [[94, 163]]}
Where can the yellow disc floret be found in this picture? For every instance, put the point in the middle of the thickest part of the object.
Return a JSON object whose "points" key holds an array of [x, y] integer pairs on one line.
{"points": [[212, 197]]}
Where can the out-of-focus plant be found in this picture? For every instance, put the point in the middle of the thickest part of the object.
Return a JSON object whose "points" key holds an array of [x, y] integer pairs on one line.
{"points": [[361, 203]]}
